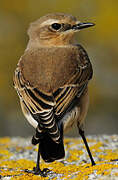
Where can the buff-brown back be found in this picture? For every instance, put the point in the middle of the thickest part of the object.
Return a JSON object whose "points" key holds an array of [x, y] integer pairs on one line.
{"points": [[48, 69]]}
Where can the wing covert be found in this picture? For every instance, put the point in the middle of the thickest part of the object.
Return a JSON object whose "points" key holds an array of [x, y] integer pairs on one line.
{"points": [[76, 86]]}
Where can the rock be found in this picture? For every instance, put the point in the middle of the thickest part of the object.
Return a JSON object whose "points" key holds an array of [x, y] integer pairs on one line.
{"points": [[17, 154]]}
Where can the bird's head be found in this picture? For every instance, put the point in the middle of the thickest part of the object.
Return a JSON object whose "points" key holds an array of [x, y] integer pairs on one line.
{"points": [[55, 29]]}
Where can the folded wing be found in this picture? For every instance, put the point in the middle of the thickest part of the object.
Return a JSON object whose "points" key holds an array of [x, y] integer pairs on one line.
{"points": [[44, 107]]}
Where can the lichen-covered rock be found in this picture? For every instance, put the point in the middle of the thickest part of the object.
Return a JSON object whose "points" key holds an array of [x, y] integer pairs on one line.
{"points": [[17, 154]]}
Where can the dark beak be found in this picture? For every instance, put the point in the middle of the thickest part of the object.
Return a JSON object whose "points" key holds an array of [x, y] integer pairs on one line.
{"points": [[82, 26]]}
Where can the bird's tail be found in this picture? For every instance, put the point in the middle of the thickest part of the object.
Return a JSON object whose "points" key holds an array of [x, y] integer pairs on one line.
{"points": [[49, 149]]}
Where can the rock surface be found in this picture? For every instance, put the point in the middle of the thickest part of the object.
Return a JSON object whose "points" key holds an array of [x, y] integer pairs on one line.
{"points": [[17, 154]]}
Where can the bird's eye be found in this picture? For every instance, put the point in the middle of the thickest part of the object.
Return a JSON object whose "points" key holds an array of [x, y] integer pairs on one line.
{"points": [[56, 26]]}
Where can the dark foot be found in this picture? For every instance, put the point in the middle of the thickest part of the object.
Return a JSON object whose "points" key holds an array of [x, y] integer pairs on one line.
{"points": [[45, 171], [114, 160], [28, 171], [38, 171], [93, 163]]}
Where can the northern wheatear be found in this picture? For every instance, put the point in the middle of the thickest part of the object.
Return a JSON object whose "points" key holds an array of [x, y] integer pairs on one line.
{"points": [[51, 79]]}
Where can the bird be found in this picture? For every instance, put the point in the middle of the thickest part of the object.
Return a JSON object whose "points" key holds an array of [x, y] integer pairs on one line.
{"points": [[51, 79]]}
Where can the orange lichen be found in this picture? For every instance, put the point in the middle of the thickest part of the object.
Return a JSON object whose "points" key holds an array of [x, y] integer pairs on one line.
{"points": [[67, 169], [5, 140], [29, 177], [109, 155], [74, 155], [4, 152], [19, 164], [96, 147], [7, 172], [116, 174]]}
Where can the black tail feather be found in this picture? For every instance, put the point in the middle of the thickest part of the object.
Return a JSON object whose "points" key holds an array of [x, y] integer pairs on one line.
{"points": [[50, 150]]}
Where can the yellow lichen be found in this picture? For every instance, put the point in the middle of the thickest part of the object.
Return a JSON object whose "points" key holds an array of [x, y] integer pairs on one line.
{"points": [[4, 154], [28, 147], [28, 177], [74, 155], [109, 155], [96, 147], [116, 174], [15, 169], [9, 172], [19, 164], [5, 140]]}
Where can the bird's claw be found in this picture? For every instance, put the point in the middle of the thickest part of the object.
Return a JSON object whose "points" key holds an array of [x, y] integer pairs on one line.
{"points": [[38, 171]]}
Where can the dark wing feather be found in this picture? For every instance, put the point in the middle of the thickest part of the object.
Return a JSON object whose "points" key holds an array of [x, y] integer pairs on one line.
{"points": [[40, 106]]}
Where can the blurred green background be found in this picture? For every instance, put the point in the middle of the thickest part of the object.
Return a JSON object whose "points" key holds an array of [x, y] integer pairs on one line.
{"points": [[101, 43]]}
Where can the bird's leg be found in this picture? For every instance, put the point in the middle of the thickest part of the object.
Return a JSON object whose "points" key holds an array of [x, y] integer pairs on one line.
{"points": [[81, 132], [37, 169]]}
